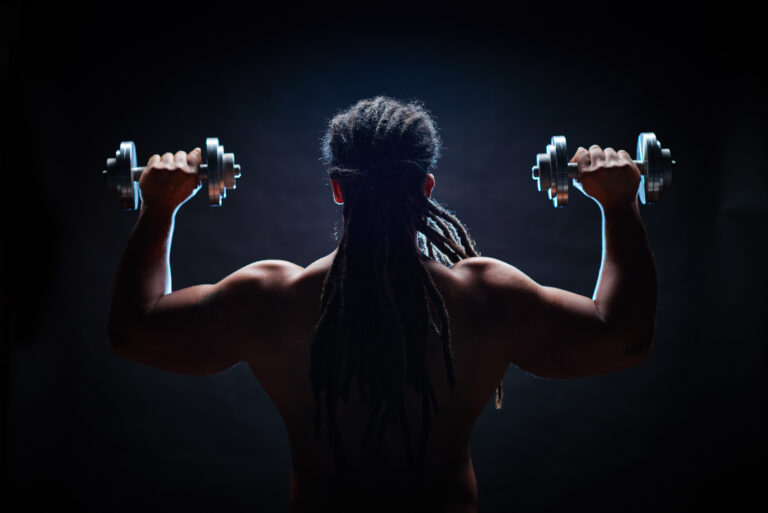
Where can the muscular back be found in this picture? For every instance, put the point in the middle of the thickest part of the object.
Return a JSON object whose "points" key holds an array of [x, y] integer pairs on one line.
{"points": [[265, 314], [381, 472], [497, 315]]}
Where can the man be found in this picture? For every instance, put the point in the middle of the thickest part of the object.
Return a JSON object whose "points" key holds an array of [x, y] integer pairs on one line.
{"points": [[381, 355]]}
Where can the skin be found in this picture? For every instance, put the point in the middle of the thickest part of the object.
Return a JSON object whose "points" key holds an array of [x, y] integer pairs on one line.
{"points": [[264, 314]]}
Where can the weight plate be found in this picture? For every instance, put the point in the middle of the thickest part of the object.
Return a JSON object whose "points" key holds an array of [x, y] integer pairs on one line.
{"points": [[214, 170], [649, 153], [109, 174], [229, 172], [666, 177], [544, 178], [222, 187], [127, 189], [560, 168], [551, 158], [657, 165]]}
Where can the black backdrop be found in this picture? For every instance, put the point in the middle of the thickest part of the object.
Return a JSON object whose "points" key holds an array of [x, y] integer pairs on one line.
{"points": [[89, 430]]}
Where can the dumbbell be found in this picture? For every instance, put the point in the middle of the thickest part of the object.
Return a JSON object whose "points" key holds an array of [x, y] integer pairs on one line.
{"points": [[219, 170], [553, 172]]}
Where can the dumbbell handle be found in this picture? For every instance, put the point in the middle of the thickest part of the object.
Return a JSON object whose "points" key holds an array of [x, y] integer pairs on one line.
{"points": [[203, 172], [573, 168]]}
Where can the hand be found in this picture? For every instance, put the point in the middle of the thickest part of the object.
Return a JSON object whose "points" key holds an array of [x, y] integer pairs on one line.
{"points": [[168, 181], [609, 178]]}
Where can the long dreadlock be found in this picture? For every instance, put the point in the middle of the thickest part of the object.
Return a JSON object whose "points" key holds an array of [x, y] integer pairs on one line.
{"points": [[378, 300]]}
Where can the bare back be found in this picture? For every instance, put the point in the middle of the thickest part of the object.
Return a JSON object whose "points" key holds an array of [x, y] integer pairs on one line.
{"points": [[381, 476]]}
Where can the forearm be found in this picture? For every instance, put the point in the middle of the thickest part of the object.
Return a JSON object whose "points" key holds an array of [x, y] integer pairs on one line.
{"points": [[625, 294], [144, 273]]}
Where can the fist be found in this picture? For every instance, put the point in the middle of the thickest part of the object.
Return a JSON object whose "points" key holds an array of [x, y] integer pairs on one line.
{"points": [[608, 177], [168, 181]]}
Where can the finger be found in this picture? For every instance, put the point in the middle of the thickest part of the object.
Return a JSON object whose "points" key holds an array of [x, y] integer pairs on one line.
{"points": [[195, 157], [154, 159], [167, 158], [596, 155], [611, 155], [181, 159]]}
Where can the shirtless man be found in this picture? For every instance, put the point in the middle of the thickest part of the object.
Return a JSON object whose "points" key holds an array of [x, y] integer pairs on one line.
{"points": [[269, 314]]}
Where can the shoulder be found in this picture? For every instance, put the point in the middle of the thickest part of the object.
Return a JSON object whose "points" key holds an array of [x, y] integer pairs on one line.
{"points": [[276, 283], [493, 275], [479, 265], [500, 291], [259, 300], [268, 278], [271, 272]]}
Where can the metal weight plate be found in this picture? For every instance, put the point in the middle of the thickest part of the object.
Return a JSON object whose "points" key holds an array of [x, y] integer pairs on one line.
{"points": [[542, 172], [649, 153], [666, 175], [222, 187], [127, 189], [560, 169], [214, 164], [551, 158], [109, 174], [230, 172]]}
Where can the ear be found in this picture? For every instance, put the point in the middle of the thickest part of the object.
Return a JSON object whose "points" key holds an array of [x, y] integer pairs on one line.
{"points": [[429, 184], [337, 197]]}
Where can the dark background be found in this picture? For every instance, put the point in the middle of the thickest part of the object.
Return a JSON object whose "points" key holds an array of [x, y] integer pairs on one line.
{"points": [[89, 430]]}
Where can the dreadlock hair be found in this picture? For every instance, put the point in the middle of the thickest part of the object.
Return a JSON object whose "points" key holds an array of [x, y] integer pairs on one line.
{"points": [[379, 302]]}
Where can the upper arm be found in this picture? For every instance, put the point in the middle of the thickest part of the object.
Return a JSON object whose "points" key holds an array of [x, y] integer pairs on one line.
{"points": [[204, 329], [547, 331]]}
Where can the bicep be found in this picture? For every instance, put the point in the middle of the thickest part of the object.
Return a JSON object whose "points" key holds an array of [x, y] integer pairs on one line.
{"points": [[547, 331]]}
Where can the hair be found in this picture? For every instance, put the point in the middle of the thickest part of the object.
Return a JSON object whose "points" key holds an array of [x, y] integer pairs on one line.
{"points": [[379, 303]]}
